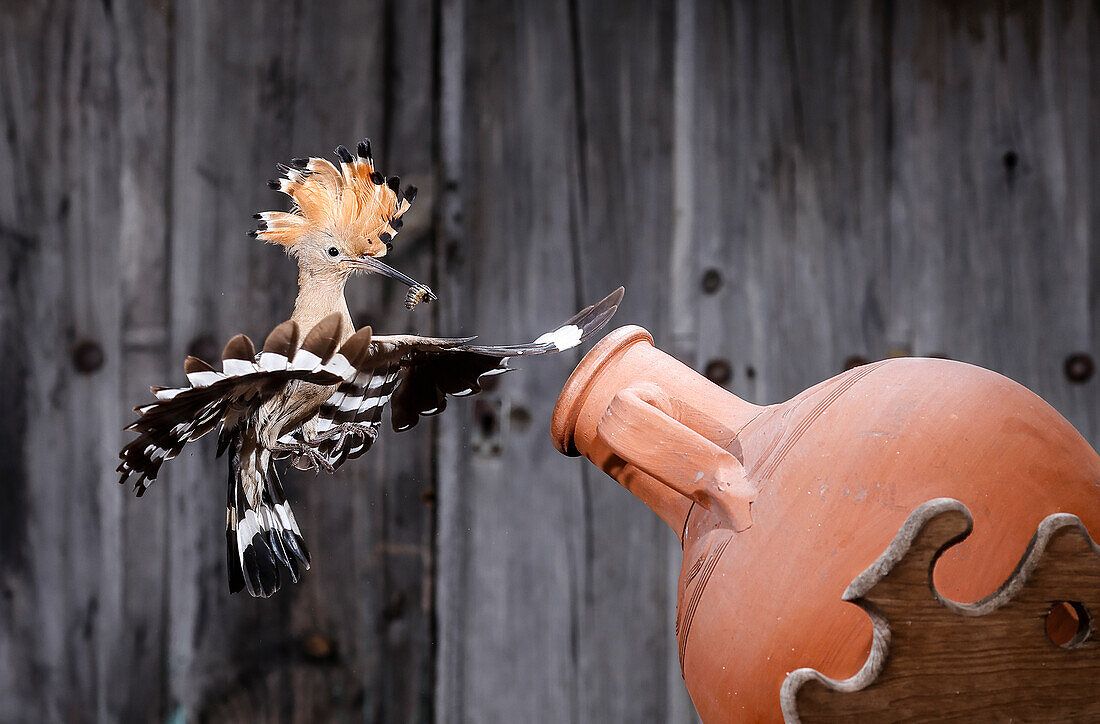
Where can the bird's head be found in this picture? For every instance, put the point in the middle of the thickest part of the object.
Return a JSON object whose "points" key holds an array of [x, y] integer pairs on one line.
{"points": [[343, 219]]}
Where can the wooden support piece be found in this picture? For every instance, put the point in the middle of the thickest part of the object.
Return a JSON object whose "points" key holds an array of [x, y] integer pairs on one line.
{"points": [[935, 659]]}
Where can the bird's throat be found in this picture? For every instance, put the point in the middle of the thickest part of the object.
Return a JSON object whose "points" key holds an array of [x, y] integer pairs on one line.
{"points": [[319, 297]]}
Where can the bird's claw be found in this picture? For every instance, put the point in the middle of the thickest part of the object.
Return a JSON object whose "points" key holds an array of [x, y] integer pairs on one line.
{"points": [[305, 457], [365, 432]]}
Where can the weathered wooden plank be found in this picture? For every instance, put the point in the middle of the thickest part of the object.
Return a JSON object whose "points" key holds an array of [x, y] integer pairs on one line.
{"points": [[623, 70], [340, 50], [369, 526], [21, 209], [453, 511], [510, 625], [991, 229], [398, 485], [790, 216], [232, 96], [133, 632], [61, 215]]}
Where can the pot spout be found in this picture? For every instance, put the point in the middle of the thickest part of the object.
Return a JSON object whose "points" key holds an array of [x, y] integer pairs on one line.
{"points": [[662, 430]]}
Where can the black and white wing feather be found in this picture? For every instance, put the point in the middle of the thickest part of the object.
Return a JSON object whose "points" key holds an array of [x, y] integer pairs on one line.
{"points": [[249, 393], [432, 372], [229, 396], [417, 374]]}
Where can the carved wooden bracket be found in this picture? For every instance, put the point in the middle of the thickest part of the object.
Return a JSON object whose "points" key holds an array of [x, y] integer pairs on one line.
{"points": [[996, 659]]}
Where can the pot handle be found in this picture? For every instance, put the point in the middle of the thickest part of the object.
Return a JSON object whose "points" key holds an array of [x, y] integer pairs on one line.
{"points": [[647, 428]]}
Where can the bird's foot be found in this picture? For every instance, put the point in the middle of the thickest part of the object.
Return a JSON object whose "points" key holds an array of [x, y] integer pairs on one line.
{"points": [[340, 432], [347, 439], [304, 456]]}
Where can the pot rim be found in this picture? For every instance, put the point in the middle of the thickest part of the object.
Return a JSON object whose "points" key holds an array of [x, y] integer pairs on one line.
{"points": [[567, 410]]}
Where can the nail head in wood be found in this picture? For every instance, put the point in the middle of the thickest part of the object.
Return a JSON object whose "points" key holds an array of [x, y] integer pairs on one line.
{"points": [[718, 371], [453, 254], [712, 281], [318, 647], [1079, 367], [395, 608], [428, 496], [87, 356], [487, 419], [519, 417], [855, 360]]}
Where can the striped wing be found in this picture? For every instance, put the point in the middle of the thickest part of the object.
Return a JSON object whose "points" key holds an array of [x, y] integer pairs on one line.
{"points": [[348, 422], [229, 397], [417, 374]]}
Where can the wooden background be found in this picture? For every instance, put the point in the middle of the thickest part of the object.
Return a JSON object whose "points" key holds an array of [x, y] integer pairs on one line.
{"points": [[784, 188]]}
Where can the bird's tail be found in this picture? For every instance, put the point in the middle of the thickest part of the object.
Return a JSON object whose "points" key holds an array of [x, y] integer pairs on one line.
{"points": [[261, 535]]}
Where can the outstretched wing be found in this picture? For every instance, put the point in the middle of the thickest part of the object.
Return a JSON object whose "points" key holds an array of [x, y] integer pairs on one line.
{"points": [[418, 373], [229, 396]]}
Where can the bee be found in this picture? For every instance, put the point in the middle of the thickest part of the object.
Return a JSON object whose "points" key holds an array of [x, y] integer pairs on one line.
{"points": [[418, 293]]}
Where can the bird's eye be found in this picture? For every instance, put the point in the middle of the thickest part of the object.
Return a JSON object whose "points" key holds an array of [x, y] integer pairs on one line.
{"points": [[333, 251]]}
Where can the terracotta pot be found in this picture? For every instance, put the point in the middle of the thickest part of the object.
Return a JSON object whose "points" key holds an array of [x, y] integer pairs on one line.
{"points": [[778, 508]]}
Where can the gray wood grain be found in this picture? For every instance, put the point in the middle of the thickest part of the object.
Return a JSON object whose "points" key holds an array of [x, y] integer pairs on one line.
{"points": [[133, 588], [452, 582], [990, 208], [782, 187], [790, 158], [628, 666], [580, 190], [520, 532], [365, 69], [230, 82], [60, 99]]}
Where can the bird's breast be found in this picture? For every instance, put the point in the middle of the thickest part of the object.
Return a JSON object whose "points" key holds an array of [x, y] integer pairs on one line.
{"points": [[298, 405]]}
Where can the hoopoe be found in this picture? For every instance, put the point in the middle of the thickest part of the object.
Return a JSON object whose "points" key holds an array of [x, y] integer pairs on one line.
{"points": [[316, 391]]}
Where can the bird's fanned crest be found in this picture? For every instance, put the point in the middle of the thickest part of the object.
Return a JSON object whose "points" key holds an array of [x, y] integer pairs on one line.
{"points": [[350, 202]]}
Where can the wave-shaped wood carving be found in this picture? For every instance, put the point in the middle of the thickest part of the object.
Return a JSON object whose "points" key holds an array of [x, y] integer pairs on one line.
{"points": [[995, 659]]}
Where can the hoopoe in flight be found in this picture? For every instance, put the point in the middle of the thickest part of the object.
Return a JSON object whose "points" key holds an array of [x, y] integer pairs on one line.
{"points": [[315, 392]]}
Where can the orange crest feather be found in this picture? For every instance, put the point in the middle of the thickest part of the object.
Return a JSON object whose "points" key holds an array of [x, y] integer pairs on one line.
{"points": [[352, 204]]}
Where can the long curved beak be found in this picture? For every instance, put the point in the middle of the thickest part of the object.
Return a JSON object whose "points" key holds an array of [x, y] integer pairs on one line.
{"points": [[376, 266]]}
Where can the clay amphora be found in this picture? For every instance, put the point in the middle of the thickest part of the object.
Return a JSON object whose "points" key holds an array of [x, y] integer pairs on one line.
{"points": [[778, 508]]}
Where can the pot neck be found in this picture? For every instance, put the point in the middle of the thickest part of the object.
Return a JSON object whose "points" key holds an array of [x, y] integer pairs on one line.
{"points": [[626, 395]]}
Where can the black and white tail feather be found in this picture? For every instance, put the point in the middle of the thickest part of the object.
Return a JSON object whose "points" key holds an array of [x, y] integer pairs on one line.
{"points": [[260, 537], [413, 374]]}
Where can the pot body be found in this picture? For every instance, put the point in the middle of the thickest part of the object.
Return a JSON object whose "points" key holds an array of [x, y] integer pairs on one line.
{"points": [[810, 491]]}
